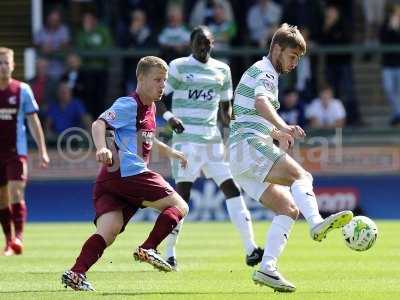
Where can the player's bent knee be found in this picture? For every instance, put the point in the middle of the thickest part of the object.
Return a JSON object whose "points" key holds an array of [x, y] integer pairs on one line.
{"points": [[301, 174], [296, 174], [183, 207], [17, 190]]}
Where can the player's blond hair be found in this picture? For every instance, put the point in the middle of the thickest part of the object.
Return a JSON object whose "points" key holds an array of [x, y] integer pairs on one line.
{"points": [[148, 62], [289, 36], [7, 51]]}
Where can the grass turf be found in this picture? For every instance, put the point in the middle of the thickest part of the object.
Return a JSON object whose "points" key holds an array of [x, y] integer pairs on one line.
{"points": [[211, 263]]}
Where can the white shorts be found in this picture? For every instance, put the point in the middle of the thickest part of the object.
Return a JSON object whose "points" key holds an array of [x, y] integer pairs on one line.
{"points": [[251, 160], [209, 158]]}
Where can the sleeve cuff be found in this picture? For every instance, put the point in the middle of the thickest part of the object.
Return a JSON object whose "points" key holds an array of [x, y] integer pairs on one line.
{"points": [[105, 121], [167, 115], [32, 112]]}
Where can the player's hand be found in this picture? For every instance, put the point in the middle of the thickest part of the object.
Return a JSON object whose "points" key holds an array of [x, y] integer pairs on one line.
{"points": [[295, 131], [104, 156], [286, 140], [176, 124], [44, 160], [181, 157]]}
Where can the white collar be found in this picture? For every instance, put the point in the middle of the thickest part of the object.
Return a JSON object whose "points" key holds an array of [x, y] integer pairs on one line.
{"points": [[269, 63], [192, 59]]}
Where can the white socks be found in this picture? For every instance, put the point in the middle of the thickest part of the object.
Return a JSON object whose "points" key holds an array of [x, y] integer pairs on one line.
{"points": [[277, 237], [171, 240], [304, 197], [240, 217]]}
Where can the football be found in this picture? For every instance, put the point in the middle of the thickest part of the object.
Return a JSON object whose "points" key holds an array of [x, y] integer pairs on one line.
{"points": [[360, 234]]}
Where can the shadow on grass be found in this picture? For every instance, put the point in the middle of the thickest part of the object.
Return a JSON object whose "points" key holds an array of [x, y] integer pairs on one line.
{"points": [[163, 293], [35, 291], [261, 292]]}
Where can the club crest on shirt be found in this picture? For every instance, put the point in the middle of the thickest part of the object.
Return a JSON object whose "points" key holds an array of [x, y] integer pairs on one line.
{"points": [[219, 78], [110, 115], [189, 77], [12, 100], [269, 86]]}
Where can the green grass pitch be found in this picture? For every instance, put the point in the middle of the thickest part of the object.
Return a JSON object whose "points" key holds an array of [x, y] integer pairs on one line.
{"points": [[211, 266]]}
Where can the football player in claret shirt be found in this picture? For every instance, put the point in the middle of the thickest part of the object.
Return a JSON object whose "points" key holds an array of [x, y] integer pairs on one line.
{"points": [[123, 136], [16, 103]]}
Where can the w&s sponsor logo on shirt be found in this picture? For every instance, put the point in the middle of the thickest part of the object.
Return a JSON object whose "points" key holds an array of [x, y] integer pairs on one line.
{"points": [[202, 95]]}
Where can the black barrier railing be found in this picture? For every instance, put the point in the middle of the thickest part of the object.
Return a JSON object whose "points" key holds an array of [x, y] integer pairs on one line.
{"points": [[248, 51]]}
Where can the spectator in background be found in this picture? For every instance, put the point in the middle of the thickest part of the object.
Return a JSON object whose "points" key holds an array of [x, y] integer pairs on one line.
{"points": [[263, 19], [203, 11], [292, 109], [154, 9], [326, 112], [78, 80], [95, 37], [66, 112], [338, 67], [346, 9], [43, 86], [136, 35], [389, 35], [222, 28], [52, 39], [174, 38], [374, 13]]}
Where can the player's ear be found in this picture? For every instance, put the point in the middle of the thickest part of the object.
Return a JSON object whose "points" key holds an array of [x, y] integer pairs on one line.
{"points": [[12, 65], [140, 77]]}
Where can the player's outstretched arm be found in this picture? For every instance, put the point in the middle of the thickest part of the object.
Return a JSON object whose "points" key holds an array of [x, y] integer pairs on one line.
{"points": [[37, 132], [169, 152], [103, 154]]}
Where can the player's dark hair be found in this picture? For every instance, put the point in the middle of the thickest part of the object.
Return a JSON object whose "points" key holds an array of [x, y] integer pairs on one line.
{"points": [[198, 30], [288, 36]]}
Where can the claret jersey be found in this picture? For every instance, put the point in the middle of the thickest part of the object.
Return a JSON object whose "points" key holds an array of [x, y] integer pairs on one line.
{"points": [[16, 101]]}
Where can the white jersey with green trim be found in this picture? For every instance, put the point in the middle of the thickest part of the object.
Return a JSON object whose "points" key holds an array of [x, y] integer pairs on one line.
{"points": [[260, 79], [197, 90]]}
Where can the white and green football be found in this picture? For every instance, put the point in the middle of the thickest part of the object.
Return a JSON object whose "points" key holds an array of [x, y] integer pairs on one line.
{"points": [[360, 234]]}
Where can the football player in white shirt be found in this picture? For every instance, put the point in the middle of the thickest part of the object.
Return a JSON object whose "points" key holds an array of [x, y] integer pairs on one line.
{"points": [[265, 171], [202, 87]]}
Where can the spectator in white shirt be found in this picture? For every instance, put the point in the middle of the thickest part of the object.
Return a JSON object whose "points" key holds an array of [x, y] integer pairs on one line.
{"points": [[326, 111], [175, 37]]}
